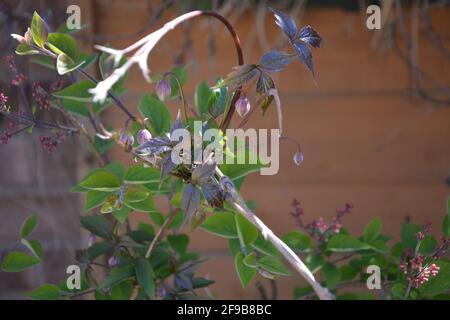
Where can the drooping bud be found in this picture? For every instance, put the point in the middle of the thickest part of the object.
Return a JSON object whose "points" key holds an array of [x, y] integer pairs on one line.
{"points": [[298, 158], [91, 240], [143, 136], [163, 89], [18, 38], [242, 106], [126, 140], [112, 261]]}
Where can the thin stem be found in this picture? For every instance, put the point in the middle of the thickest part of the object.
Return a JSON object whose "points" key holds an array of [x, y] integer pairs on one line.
{"points": [[183, 99], [158, 235]]}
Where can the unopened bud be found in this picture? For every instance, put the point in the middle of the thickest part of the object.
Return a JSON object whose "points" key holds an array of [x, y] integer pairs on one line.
{"points": [[112, 262], [242, 106], [298, 158], [18, 38], [91, 240], [163, 89], [143, 136]]}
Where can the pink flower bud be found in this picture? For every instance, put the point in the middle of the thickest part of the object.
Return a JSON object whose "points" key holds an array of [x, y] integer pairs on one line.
{"points": [[91, 240], [298, 158], [112, 262], [18, 38], [242, 106], [163, 89], [143, 136], [126, 139]]}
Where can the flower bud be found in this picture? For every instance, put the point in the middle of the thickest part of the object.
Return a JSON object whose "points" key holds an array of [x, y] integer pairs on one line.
{"points": [[91, 240], [127, 140], [163, 89], [298, 158], [242, 106], [143, 136], [18, 38], [112, 261]]}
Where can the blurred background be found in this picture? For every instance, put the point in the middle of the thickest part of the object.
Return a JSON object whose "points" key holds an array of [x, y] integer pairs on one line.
{"points": [[374, 130]]}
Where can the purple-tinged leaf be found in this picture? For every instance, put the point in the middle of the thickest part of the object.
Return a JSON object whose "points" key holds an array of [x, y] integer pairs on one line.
{"points": [[239, 76], [264, 84], [305, 56], [155, 145], [310, 36], [275, 61], [190, 201], [285, 22], [166, 167], [203, 173], [178, 124], [213, 194]]}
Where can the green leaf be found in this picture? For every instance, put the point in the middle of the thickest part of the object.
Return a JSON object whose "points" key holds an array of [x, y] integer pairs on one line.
{"points": [[122, 214], [76, 107], [147, 205], [101, 181], [427, 245], [94, 199], [314, 262], [103, 145], [39, 30], [77, 91], [348, 273], [379, 246], [98, 225], [345, 243], [181, 73], [157, 113], [250, 260], [247, 232], [63, 43], [17, 261], [65, 64], [234, 246], [372, 230], [24, 50], [45, 292], [29, 225], [117, 168], [265, 246], [117, 276], [332, 275], [138, 174], [221, 224], [273, 265], [178, 242], [135, 195], [409, 235], [245, 274], [298, 241], [202, 95], [446, 225], [34, 246], [145, 276], [157, 218], [98, 249], [438, 284]]}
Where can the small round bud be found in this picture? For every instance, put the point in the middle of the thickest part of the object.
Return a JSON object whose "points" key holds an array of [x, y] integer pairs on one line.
{"points": [[242, 106], [91, 240], [112, 261], [143, 136], [298, 158], [163, 89]]}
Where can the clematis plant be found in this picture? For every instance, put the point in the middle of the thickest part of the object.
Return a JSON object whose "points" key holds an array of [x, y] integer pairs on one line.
{"points": [[153, 261]]}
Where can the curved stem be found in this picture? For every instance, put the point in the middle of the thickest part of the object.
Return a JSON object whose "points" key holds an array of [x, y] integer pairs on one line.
{"points": [[183, 99]]}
